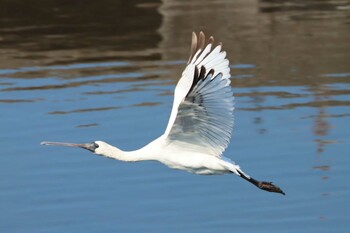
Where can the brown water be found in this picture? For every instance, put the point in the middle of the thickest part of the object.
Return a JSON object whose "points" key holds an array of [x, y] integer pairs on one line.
{"points": [[91, 70]]}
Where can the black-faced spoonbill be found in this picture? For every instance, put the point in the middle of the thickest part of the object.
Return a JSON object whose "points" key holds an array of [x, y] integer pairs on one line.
{"points": [[200, 124]]}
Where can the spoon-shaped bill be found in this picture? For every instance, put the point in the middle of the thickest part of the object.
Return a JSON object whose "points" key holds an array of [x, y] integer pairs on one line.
{"points": [[88, 146]]}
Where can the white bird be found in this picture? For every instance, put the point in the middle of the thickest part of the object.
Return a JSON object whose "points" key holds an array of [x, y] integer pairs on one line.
{"points": [[200, 124]]}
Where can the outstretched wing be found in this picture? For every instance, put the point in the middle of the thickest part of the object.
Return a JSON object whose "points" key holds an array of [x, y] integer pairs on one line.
{"points": [[202, 113]]}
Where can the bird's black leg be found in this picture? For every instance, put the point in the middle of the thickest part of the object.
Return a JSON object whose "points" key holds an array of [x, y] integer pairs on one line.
{"points": [[267, 186]]}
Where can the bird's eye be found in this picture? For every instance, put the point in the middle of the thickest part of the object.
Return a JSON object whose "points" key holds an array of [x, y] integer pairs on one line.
{"points": [[96, 145]]}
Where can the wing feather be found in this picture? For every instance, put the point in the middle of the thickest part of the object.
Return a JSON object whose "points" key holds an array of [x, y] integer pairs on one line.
{"points": [[202, 113]]}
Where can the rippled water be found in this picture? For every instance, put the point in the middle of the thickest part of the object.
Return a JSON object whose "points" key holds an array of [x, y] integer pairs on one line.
{"points": [[107, 70]]}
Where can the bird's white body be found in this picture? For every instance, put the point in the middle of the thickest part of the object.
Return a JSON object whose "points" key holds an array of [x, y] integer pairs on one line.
{"points": [[200, 124]]}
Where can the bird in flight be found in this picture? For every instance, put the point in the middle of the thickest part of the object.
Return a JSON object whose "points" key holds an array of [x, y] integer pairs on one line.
{"points": [[200, 123]]}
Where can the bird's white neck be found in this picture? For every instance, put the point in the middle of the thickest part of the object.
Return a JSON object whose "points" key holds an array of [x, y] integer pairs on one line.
{"points": [[127, 156]]}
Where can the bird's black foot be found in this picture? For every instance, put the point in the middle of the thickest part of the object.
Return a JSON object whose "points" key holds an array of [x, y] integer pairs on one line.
{"points": [[267, 186]]}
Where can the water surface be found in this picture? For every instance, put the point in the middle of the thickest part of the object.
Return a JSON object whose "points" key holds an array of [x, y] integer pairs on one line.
{"points": [[106, 70]]}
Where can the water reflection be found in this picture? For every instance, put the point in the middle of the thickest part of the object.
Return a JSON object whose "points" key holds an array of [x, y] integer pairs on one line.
{"points": [[306, 10], [321, 125], [48, 26], [83, 110], [87, 125]]}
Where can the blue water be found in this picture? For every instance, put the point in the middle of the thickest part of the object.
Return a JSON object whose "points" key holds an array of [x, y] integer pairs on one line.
{"points": [[291, 127]]}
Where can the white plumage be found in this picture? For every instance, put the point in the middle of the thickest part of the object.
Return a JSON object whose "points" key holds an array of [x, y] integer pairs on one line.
{"points": [[202, 113], [200, 123]]}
